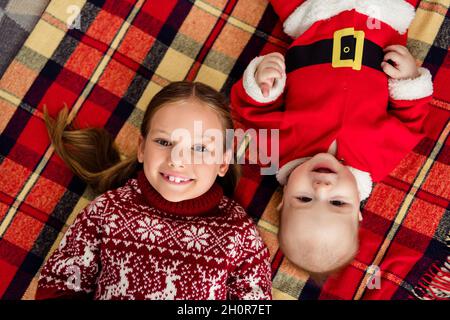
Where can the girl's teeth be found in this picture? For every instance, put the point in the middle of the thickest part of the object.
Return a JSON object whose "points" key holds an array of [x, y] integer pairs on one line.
{"points": [[176, 179]]}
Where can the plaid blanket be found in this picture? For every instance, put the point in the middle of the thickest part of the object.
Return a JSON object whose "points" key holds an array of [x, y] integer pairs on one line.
{"points": [[107, 62], [17, 19]]}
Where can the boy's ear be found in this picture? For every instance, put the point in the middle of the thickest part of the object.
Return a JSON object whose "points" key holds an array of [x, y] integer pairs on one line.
{"points": [[360, 216], [140, 150], [280, 205], [223, 168]]}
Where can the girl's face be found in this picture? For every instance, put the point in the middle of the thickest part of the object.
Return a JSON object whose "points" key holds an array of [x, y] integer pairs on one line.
{"points": [[183, 152]]}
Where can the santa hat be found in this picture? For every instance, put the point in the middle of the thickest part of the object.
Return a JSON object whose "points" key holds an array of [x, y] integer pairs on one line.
{"points": [[363, 179], [299, 15]]}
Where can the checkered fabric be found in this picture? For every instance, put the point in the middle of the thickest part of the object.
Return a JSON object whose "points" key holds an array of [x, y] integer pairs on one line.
{"points": [[112, 60], [17, 20]]}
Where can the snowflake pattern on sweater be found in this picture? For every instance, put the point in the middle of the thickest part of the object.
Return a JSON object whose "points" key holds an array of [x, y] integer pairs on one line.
{"points": [[120, 247]]}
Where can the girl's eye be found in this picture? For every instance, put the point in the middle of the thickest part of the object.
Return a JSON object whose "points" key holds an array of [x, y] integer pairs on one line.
{"points": [[199, 148], [337, 203], [304, 199], [163, 142]]}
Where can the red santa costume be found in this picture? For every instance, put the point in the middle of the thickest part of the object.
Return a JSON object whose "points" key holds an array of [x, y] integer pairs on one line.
{"points": [[336, 95]]}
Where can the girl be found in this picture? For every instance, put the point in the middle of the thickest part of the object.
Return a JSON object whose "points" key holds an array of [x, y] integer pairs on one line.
{"points": [[169, 230]]}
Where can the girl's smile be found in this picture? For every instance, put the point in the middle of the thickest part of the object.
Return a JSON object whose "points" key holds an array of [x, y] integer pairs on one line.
{"points": [[176, 179]]}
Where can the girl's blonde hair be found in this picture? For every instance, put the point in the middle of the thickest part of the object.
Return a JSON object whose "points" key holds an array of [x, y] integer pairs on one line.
{"points": [[94, 157]]}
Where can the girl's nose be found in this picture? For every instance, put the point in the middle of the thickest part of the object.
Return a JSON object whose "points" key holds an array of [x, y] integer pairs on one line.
{"points": [[178, 160], [176, 164]]}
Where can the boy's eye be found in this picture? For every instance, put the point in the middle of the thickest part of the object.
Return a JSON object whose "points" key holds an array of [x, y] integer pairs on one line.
{"points": [[163, 142], [337, 203], [304, 199], [199, 148]]}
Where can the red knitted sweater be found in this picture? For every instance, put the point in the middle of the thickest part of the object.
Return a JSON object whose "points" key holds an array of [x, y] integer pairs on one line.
{"points": [[131, 243]]}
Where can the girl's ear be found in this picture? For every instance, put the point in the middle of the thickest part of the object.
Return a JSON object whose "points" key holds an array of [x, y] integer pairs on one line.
{"points": [[223, 168], [360, 216], [140, 151]]}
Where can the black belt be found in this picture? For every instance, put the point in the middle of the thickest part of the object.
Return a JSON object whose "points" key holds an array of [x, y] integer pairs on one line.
{"points": [[340, 51]]}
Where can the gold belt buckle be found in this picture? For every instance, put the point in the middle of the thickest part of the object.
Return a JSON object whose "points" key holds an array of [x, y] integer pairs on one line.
{"points": [[359, 48]]}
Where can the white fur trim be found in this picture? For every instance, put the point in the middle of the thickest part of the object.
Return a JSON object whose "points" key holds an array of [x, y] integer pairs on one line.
{"points": [[412, 89], [396, 13], [252, 88], [363, 179]]}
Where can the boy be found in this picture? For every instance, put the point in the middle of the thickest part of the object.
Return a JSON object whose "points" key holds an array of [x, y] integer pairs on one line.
{"points": [[350, 103]]}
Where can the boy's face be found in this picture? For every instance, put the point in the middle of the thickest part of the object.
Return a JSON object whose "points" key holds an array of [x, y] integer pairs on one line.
{"points": [[320, 213]]}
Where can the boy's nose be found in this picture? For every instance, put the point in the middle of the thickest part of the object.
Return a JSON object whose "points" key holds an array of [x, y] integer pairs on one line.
{"points": [[322, 188], [321, 184]]}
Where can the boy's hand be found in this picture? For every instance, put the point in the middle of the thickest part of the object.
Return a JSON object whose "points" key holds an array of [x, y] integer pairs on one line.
{"points": [[272, 67], [403, 64]]}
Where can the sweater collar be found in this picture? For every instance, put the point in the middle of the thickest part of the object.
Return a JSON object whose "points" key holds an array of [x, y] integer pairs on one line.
{"points": [[202, 205]]}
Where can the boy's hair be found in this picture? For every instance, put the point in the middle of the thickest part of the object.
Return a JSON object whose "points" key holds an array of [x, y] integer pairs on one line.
{"points": [[94, 157], [319, 258]]}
